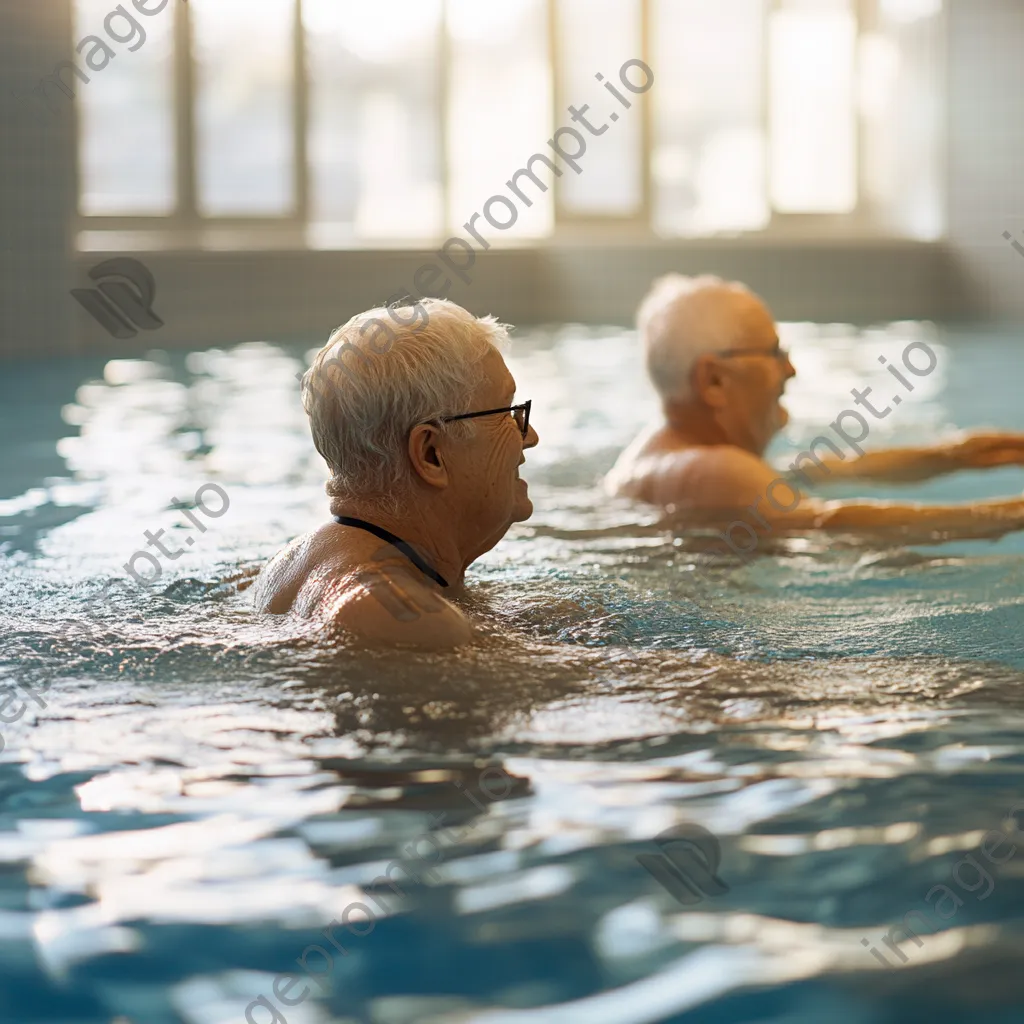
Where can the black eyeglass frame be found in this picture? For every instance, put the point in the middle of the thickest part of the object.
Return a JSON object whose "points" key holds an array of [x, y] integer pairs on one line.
{"points": [[525, 406], [776, 352]]}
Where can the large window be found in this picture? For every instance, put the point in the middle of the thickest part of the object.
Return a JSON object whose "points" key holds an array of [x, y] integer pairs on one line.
{"points": [[369, 121]]}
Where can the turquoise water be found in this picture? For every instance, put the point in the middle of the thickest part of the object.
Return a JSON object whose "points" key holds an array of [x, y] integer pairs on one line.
{"points": [[203, 792]]}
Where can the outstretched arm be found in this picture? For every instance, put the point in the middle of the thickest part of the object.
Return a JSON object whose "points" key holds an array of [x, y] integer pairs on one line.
{"points": [[916, 523], [737, 486], [908, 465]]}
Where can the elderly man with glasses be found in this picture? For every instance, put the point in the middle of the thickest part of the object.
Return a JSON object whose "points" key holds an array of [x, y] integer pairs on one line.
{"points": [[713, 355], [423, 442]]}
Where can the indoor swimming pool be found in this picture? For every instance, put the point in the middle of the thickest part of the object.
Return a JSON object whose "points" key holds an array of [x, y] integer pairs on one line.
{"points": [[192, 795]]}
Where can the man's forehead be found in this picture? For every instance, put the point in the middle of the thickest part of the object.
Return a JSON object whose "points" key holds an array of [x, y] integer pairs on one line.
{"points": [[755, 315], [498, 374]]}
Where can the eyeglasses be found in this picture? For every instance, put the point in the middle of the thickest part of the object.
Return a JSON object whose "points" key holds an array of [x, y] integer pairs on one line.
{"points": [[776, 352], [521, 414]]}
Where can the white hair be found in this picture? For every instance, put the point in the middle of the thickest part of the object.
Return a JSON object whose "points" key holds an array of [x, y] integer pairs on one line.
{"points": [[362, 407], [682, 318]]}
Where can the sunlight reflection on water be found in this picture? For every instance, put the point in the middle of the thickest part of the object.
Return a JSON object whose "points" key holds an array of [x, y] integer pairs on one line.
{"points": [[205, 791]]}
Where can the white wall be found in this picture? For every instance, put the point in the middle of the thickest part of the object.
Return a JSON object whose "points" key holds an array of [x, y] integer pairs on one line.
{"points": [[986, 156]]}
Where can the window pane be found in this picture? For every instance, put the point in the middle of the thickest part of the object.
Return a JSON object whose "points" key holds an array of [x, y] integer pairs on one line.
{"points": [[375, 133], [598, 37], [901, 106], [812, 117], [126, 111], [499, 110], [243, 55], [708, 163]]}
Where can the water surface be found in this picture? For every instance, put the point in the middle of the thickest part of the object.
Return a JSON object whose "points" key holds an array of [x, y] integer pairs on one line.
{"points": [[204, 791]]}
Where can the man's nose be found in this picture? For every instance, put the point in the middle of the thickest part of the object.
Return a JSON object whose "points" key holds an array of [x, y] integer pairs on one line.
{"points": [[531, 439], [789, 368]]}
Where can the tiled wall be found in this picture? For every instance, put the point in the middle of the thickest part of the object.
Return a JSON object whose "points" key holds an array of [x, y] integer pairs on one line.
{"points": [[213, 298], [36, 182]]}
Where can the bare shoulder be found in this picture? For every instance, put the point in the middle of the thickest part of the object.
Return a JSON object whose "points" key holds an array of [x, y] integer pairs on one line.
{"points": [[629, 464], [377, 596], [726, 462], [387, 602], [280, 580], [712, 476]]}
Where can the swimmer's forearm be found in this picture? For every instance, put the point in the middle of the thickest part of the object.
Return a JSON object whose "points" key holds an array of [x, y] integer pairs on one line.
{"points": [[910, 465], [903, 465], [982, 520]]}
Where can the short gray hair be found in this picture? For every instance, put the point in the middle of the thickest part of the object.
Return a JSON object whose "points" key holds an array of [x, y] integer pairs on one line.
{"points": [[406, 365], [680, 319]]}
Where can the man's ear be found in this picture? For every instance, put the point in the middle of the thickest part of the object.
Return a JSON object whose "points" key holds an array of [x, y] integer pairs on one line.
{"points": [[708, 381], [426, 455]]}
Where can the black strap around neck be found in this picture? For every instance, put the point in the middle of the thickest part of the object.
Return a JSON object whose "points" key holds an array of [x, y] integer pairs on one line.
{"points": [[378, 531]]}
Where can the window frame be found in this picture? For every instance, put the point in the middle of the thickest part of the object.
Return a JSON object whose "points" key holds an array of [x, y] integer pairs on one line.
{"points": [[185, 224]]}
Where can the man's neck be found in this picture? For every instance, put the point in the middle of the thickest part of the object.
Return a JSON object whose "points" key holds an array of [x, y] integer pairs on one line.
{"points": [[694, 427], [431, 532]]}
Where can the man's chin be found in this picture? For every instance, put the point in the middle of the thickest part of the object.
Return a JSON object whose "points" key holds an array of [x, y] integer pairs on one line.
{"points": [[523, 510]]}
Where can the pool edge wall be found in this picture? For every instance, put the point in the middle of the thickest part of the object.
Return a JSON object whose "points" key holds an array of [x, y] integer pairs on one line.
{"points": [[210, 297]]}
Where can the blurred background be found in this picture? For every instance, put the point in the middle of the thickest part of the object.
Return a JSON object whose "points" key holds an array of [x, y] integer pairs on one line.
{"points": [[281, 164]]}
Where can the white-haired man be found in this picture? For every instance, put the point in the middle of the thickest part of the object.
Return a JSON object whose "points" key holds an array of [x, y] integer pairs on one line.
{"points": [[713, 354], [417, 423]]}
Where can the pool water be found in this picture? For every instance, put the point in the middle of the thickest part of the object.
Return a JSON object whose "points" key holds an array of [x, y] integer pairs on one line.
{"points": [[191, 795]]}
